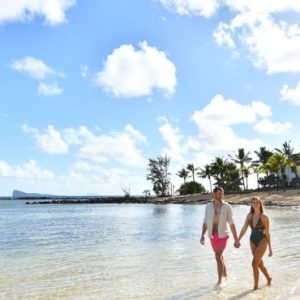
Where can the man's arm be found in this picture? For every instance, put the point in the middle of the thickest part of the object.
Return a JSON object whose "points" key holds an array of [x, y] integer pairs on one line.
{"points": [[232, 228], [204, 228], [236, 240]]}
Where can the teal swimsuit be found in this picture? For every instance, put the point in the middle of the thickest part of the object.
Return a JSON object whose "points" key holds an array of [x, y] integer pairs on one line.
{"points": [[258, 233]]}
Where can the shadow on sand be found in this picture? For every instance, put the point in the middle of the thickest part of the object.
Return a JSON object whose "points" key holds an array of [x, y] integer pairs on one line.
{"points": [[241, 295]]}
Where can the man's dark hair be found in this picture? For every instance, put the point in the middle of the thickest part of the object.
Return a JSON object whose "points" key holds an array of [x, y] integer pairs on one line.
{"points": [[218, 188]]}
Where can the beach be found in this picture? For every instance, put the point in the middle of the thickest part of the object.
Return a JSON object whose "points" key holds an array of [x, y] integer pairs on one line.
{"points": [[269, 198]]}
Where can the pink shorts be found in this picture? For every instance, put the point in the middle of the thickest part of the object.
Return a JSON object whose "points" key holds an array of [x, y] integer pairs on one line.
{"points": [[218, 243]]}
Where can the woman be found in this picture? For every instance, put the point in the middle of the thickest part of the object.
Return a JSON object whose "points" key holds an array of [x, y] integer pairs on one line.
{"points": [[259, 238]]}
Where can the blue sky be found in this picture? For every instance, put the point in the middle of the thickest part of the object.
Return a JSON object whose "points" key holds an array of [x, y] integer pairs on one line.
{"points": [[90, 90]]}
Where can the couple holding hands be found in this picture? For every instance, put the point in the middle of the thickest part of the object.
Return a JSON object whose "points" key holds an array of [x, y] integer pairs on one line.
{"points": [[217, 214]]}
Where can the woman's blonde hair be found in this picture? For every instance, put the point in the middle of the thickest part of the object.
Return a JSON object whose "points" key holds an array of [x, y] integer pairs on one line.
{"points": [[261, 205]]}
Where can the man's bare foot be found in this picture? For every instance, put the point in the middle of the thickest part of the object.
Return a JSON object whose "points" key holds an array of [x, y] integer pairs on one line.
{"points": [[269, 280], [219, 282], [255, 288]]}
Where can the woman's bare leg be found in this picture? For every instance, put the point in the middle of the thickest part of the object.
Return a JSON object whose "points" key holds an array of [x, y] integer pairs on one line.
{"points": [[258, 253], [264, 270]]}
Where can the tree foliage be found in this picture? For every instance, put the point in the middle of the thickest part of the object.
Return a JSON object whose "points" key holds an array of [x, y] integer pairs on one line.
{"points": [[191, 188], [159, 174]]}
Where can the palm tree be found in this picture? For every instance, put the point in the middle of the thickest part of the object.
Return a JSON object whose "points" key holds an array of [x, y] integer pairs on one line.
{"points": [[286, 149], [277, 163], [263, 155], [256, 168], [232, 177], [218, 169], [241, 158], [183, 173], [226, 174], [192, 168], [289, 151], [206, 172], [246, 171]]}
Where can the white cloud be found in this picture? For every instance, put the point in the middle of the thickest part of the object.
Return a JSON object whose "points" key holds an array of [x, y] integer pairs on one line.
{"points": [[229, 112], [29, 170], [81, 165], [172, 137], [264, 27], [223, 36], [103, 181], [134, 73], [33, 67], [215, 123], [266, 126], [256, 26], [205, 8], [53, 11], [50, 141], [119, 147], [84, 71], [49, 89], [82, 178], [291, 95]]}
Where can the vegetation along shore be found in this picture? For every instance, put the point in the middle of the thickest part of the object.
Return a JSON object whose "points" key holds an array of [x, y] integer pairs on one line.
{"points": [[270, 198]]}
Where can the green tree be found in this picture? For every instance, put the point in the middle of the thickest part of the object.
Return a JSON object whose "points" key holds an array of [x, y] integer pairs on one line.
{"points": [[219, 169], [241, 158], [159, 174], [277, 163], [232, 180], [146, 193], [183, 173], [193, 169], [191, 188], [247, 172], [226, 174], [206, 172], [289, 151], [263, 155]]}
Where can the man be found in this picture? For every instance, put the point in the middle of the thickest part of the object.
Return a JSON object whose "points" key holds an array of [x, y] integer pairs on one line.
{"points": [[217, 214]]}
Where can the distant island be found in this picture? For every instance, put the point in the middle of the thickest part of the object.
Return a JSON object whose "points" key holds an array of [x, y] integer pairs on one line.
{"points": [[16, 194]]}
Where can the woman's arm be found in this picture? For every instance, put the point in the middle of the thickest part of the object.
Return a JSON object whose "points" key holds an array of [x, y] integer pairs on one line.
{"points": [[245, 227], [266, 223]]}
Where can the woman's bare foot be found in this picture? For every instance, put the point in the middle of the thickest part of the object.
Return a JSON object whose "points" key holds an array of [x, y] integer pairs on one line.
{"points": [[269, 280], [255, 288]]}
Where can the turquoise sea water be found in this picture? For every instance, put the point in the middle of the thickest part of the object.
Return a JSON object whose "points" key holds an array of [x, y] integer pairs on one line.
{"points": [[135, 251]]}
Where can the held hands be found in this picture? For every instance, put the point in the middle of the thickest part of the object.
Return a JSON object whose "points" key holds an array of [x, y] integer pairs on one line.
{"points": [[237, 244]]}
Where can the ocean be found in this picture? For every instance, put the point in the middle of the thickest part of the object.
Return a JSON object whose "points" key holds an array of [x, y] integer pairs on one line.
{"points": [[136, 251]]}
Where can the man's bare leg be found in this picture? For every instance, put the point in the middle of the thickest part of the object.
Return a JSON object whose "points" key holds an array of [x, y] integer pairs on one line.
{"points": [[220, 264], [224, 271]]}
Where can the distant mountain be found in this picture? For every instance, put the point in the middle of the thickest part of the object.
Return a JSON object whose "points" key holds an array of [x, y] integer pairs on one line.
{"points": [[21, 195]]}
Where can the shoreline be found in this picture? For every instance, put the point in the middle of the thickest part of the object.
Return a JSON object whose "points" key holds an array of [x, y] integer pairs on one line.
{"points": [[269, 198]]}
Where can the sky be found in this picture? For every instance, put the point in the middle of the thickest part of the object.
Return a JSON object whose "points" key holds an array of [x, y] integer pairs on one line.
{"points": [[90, 90]]}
